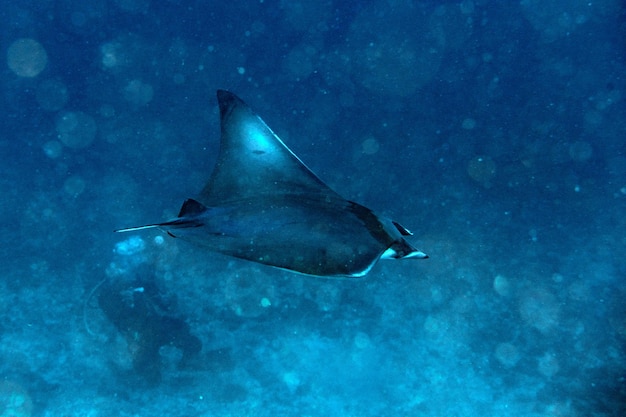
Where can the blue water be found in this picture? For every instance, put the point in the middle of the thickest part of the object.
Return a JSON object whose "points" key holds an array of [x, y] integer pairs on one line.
{"points": [[493, 130]]}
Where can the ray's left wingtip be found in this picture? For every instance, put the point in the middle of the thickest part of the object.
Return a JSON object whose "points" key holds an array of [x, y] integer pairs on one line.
{"points": [[227, 101], [223, 94], [225, 97]]}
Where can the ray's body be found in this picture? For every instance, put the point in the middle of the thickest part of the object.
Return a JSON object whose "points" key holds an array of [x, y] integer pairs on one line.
{"points": [[264, 205]]}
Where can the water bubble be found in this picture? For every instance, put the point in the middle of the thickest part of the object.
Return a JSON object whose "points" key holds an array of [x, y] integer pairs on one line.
{"points": [[74, 185], [540, 309], [468, 123], [78, 19], [14, 399], [507, 354], [327, 297], [394, 58], [362, 340], [292, 380], [76, 129], [467, 7], [52, 95], [133, 6], [300, 62], [109, 58], [114, 55], [580, 151], [482, 169], [501, 285], [107, 111], [138, 92], [370, 146], [556, 19], [548, 365], [130, 246], [304, 15], [593, 119], [346, 99], [53, 149], [26, 57], [616, 166]]}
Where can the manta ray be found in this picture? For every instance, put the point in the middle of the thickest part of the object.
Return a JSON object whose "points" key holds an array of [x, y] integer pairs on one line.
{"points": [[262, 204]]}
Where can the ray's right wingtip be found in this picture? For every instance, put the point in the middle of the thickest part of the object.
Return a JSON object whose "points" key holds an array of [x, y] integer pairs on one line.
{"points": [[418, 254]]}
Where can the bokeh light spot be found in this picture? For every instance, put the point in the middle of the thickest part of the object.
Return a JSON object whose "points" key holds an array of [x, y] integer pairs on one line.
{"points": [[27, 58], [76, 129], [482, 169]]}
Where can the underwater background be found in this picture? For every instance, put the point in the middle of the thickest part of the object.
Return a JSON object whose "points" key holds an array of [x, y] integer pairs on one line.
{"points": [[495, 131]]}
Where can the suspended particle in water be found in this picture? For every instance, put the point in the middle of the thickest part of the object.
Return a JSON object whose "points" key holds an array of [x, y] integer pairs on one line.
{"points": [[26, 57], [548, 365], [138, 93], [502, 285], [52, 95], [76, 129], [540, 309], [507, 354], [482, 169], [74, 186], [370, 146], [53, 149], [468, 123], [580, 151]]}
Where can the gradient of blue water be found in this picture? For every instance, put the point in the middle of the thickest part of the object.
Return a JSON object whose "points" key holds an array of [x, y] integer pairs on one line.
{"points": [[535, 90]]}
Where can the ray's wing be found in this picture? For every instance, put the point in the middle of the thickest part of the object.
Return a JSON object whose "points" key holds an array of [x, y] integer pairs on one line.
{"points": [[254, 162], [264, 205]]}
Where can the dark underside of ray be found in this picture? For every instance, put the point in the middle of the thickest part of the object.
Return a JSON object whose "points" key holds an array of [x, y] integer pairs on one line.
{"points": [[264, 205]]}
